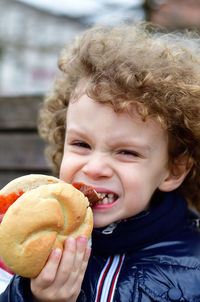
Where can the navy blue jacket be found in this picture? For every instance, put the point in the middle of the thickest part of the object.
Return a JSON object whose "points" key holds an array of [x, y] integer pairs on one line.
{"points": [[153, 256]]}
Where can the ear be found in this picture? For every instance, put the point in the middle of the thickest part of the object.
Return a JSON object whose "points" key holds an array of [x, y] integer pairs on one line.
{"points": [[180, 169]]}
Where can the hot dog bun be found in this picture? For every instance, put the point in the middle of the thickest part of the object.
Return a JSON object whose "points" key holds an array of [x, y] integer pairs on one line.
{"points": [[40, 220]]}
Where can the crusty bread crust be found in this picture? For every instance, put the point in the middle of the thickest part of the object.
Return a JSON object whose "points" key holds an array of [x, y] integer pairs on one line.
{"points": [[28, 182], [39, 221]]}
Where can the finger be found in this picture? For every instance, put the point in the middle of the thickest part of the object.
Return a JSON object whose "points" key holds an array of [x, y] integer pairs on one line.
{"points": [[76, 278], [48, 273], [80, 261], [72, 286], [67, 261], [72, 259], [87, 254], [82, 242], [85, 260]]}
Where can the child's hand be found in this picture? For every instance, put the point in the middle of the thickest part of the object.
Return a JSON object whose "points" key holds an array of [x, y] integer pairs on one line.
{"points": [[61, 278]]}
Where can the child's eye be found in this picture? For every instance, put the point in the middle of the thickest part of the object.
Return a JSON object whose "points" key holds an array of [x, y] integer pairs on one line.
{"points": [[129, 153], [80, 144]]}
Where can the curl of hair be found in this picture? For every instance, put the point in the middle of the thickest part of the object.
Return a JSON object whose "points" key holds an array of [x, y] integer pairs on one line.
{"points": [[133, 66]]}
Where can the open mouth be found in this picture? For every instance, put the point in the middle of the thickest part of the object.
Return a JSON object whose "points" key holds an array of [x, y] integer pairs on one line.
{"points": [[107, 198]]}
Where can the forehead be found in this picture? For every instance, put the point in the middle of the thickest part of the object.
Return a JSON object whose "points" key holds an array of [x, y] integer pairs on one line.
{"points": [[86, 114], [82, 102]]}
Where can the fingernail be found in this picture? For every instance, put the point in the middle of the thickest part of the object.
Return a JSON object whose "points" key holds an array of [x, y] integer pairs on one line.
{"points": [[56, 252], [70, 240], [82, 238]]}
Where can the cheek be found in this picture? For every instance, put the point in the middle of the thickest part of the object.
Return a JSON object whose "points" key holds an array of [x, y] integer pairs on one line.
{"points": [[67, 169], [138, 192], [138, 201], [133, 182]]}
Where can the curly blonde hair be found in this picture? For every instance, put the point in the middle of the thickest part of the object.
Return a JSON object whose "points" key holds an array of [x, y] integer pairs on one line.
{"points": [[128, 65]]}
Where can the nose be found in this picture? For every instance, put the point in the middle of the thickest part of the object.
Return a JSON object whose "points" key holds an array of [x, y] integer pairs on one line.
{"points": [[97, 166]]}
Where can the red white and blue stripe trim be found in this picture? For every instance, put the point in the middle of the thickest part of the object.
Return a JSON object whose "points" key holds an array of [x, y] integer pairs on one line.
{"points": [[108, 279]]}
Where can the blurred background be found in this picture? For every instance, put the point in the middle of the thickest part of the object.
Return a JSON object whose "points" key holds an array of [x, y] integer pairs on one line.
{"points": [[32, 34]]}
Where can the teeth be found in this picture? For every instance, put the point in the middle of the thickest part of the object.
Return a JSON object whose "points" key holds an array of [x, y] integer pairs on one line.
{"points": [[102, 195], [106, 198]]}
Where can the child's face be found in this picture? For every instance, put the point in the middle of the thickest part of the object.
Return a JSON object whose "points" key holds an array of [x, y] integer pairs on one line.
{"points": [[118, 154]]}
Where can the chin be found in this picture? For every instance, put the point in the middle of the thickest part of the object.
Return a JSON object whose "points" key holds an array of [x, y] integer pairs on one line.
{"points": [[101, 223]]}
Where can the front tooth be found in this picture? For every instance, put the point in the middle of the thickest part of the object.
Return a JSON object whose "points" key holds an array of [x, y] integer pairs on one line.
{"points": [[105, 200], [102, 195]]}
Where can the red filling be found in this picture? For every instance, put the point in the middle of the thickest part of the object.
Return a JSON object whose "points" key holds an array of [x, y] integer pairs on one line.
{"points": [[6, 201], [88, 191]]}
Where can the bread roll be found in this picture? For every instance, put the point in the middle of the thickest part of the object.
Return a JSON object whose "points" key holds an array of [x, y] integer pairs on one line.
{"points": [[40, 220]]}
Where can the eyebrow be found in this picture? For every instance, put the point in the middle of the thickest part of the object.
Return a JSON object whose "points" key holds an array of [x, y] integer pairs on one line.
{"points": [[76, 132]]}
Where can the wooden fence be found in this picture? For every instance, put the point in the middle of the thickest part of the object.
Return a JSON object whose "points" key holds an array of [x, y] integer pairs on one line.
{"points": [[21, 148]]}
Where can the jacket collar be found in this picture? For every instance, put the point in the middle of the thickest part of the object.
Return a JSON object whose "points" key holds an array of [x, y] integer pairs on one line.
{"points": [[167, 214]]}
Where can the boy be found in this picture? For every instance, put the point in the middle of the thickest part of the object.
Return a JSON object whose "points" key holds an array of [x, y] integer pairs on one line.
{"points": [[124, 117]]}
